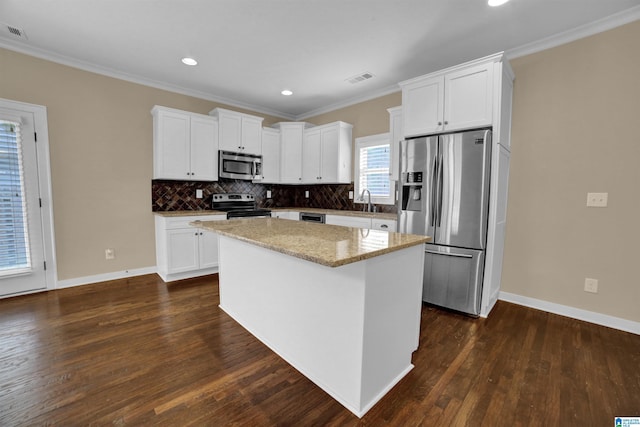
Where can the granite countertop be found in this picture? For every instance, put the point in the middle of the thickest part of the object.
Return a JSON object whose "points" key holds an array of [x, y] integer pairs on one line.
{"points": [[377, 215], [189, 213], [329, 245]]}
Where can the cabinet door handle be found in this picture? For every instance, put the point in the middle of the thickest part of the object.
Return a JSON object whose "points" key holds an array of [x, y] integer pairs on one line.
{"points": [[439, 123], [446, 122]]}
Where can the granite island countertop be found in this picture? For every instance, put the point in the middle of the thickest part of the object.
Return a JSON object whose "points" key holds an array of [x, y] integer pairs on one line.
{"points": [[324, 244], [361, 214]]}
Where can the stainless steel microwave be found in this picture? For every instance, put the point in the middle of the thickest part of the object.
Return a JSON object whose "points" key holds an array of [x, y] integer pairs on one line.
{"points": [[240, 166]]}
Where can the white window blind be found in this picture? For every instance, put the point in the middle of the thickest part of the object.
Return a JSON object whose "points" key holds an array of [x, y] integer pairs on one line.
{"points": [[373, 167], [14, 238], [374, 170]]}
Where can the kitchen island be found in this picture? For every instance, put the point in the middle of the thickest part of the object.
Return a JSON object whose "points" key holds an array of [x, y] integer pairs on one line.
{"points": [[340, 304]]}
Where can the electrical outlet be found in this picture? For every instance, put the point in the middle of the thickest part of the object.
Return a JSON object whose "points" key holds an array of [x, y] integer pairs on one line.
{"points": [[268, 194], [350, 195], [597, 200], [591, 285], [198, 194], [109, 253], [306, 194]]}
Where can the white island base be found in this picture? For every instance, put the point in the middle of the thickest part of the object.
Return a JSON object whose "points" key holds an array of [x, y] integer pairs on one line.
{"points": [[349, 329]]}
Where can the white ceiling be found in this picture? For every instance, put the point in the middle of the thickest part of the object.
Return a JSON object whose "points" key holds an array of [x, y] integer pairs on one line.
{"points": [[249, 50]]}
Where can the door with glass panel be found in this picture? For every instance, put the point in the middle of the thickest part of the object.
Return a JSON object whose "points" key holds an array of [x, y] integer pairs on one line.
{"points": [[22, 259]]}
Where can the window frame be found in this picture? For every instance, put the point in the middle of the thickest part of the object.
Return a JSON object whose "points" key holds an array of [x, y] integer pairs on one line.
{"points": [[371, 141]]}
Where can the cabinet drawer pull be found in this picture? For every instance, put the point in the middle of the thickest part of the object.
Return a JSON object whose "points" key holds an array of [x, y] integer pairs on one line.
{"points": [[384, 226]]}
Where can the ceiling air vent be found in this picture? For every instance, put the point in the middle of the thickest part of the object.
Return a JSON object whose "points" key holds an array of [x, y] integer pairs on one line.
{"points": [[14, 31], [359, 78]]}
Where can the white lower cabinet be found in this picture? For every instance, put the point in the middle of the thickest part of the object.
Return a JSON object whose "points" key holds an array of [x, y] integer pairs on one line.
{"points": [[384, 224], [294, 215], [183, 251], [362, 222], [348, 221]]}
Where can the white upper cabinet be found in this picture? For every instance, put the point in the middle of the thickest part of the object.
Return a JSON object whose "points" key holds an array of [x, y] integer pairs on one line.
{"points": [[457, 98], [204, 148], [326, 154], [291, 152], [239, 132], [422, 106], [396, 134], [270, 156], [185, 145], [468, 98], [291, 135], [311, 154]]}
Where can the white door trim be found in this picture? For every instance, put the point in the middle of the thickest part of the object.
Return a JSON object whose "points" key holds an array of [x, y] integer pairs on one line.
{"points": [[44, 177]]}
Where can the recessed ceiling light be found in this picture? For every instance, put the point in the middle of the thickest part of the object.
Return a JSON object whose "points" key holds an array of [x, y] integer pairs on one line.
{"points": [[497, 2], [286, 92], [189, 61]]}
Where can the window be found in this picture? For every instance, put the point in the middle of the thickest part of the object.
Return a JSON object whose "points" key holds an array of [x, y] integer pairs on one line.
{"points": [[14, 241], [372, 169]]}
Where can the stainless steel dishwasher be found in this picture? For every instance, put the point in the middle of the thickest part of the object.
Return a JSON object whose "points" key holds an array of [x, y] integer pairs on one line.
{"points": [[312, 217]]}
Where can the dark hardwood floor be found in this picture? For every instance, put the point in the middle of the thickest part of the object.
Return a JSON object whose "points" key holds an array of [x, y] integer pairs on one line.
{"points": [[141, 352]]}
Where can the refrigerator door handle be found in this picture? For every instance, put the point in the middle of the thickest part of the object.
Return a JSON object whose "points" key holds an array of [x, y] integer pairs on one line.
{"points": [[427, 251], [486, 180], [432, 208], [439, 187]]}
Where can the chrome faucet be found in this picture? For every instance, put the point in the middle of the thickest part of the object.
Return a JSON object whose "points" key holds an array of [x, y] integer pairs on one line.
{"points": [[369, 199]]}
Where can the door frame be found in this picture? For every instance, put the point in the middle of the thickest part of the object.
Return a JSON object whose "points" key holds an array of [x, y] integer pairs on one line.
{"points": [[44, 182]]}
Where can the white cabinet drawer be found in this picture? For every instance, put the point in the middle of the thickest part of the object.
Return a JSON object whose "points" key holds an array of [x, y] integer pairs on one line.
{"points": [[384, 224]]}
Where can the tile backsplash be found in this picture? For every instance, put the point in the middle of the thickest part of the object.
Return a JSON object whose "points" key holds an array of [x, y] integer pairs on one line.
{"points": [[168, 195]]}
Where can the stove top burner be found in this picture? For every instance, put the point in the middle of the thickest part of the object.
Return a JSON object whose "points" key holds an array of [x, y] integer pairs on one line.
{"points": [[238, 205]]}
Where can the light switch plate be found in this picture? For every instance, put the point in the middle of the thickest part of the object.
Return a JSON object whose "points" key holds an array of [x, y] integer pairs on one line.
{"points": [[350, 195], [597, 200], [198, 194], [306, 194], [268, 194]]}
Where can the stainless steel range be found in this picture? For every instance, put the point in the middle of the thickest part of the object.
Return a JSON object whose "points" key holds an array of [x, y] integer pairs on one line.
{"points": [[238, 205]]}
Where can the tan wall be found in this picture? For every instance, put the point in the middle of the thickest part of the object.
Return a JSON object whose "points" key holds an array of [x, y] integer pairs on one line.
{"points": [[575, 130], [100, 132], [368, 118]]}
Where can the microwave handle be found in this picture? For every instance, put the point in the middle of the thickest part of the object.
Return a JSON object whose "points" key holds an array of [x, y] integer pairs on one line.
{"points": [[255, 170]]}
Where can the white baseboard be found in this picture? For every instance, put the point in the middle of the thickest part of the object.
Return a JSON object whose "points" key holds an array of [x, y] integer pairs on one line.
{"points": [[574, 313], [79, 281]]}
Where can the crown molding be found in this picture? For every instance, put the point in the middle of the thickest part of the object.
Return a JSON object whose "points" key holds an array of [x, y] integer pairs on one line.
{"points": [[586, 30], [351, 101], [120, 75]]}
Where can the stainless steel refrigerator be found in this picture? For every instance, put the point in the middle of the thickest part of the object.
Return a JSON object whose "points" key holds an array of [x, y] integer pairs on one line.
{"points": [[444, 193]]}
